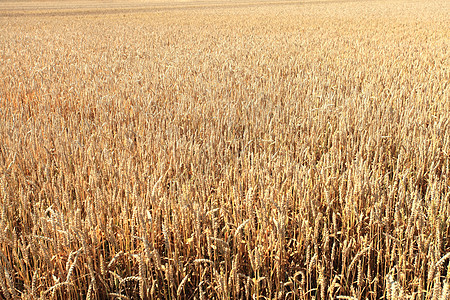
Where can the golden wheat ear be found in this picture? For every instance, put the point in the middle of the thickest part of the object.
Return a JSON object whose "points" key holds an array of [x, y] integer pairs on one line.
{"points": [[224, 149]]}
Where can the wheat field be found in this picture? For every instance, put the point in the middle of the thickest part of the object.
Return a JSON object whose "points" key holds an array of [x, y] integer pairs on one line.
{"points": [[225, 150]]}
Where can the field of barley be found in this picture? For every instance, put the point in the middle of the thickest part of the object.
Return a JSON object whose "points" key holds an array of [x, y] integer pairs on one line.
{"points": [[225, 150]]}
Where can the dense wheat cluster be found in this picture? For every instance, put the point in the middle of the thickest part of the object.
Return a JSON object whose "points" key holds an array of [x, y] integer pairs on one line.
{"points": [[231, 151]]}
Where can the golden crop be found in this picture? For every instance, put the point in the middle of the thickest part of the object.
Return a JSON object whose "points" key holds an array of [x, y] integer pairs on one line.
{"points": [[225, 150]]}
